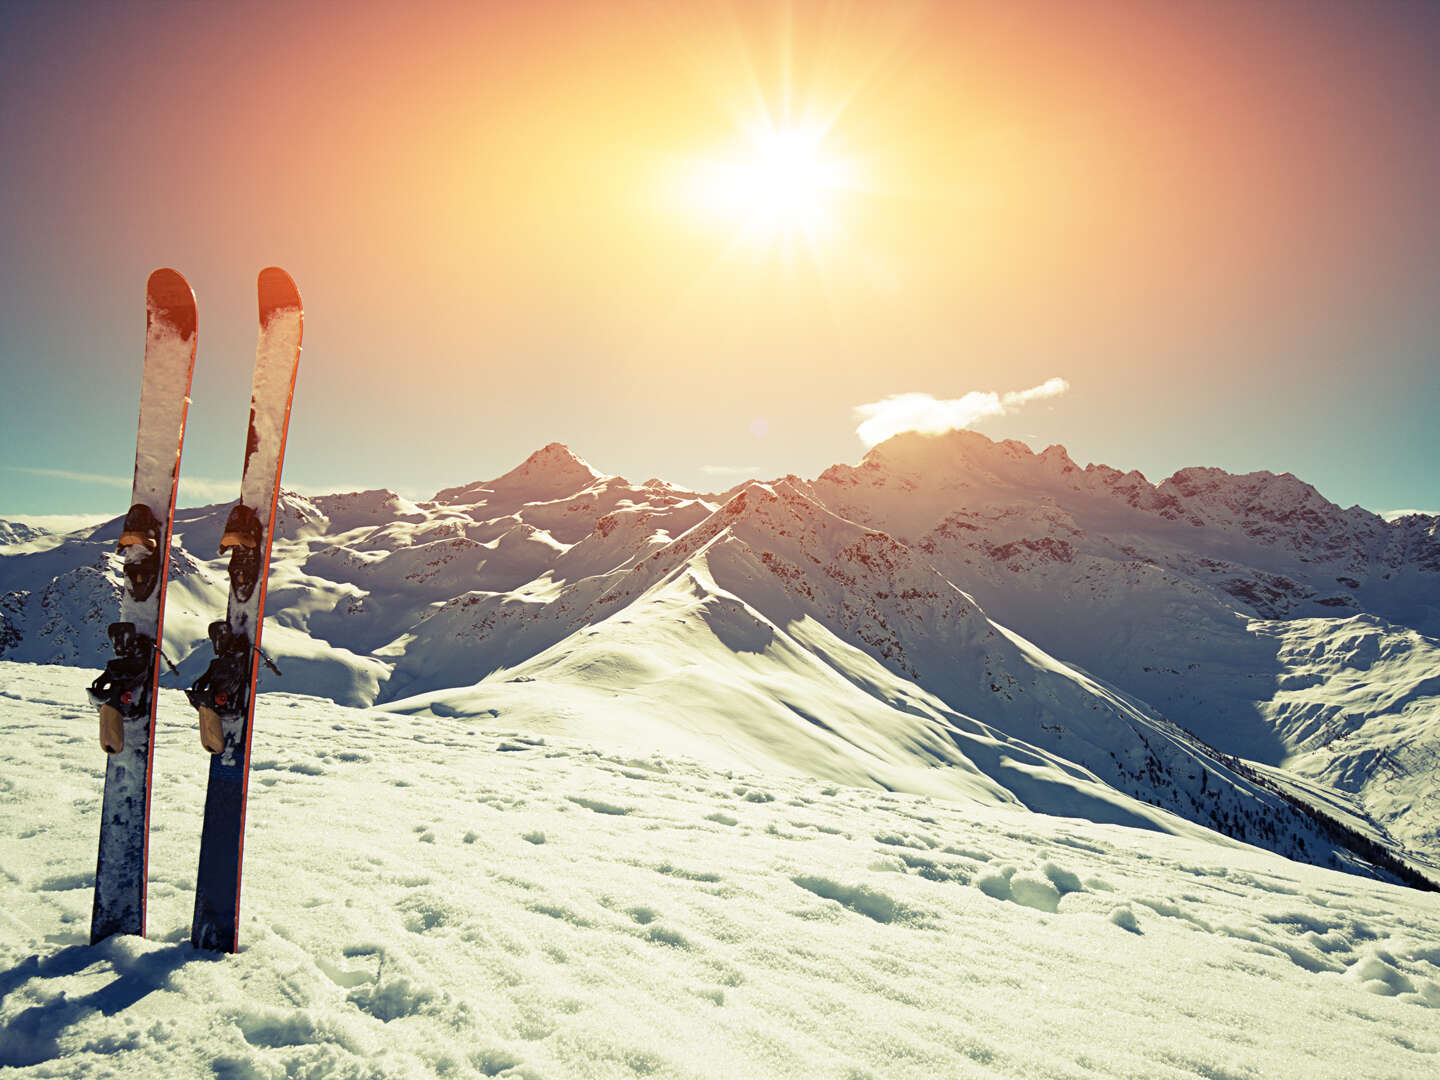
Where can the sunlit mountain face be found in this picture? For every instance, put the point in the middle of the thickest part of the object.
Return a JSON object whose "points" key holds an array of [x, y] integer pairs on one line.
{"points": [[952, 616]]}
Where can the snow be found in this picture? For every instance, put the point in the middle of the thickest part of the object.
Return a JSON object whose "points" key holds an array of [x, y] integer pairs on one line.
{"points": [[277, 352], [432, 896], [1359, 706], [953, 617], [164, 398], [18, 533]]}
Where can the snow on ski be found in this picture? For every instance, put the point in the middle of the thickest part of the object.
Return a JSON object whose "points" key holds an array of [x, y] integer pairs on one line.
{"points": [[125, 693], [224, 695]]}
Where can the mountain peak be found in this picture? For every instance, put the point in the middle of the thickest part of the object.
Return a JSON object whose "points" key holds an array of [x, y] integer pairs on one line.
{"points": [[552, 472], [1253, 495], [917, 448], [959, 458], [552, 460]]}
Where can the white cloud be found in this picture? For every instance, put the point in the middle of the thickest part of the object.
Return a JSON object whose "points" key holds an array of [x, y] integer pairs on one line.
{"points": [[191, 487], [194, 491], [879, 420], [67, 474], [59, 523], [1396, 515], [195, 488]]}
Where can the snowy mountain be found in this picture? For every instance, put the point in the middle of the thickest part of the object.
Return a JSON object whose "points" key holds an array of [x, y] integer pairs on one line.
{"points": [[18, 532], [951, 617], [440, 897], [1188, 593]]}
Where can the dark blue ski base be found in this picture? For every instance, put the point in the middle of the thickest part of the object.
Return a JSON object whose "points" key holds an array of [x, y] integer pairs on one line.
{"points": [[222, 845]]}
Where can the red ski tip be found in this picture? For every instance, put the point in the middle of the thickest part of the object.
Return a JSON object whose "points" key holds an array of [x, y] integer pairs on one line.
{"points": [[168, 296], [276, 291]]}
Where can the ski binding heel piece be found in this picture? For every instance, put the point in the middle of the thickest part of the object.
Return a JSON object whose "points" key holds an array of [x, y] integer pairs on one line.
{"points": [[140, 542], [122, 690], [223, 691], [243, 539]]}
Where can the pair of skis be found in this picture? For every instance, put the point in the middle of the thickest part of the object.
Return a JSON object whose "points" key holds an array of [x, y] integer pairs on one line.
{"points": [[224, 695]]}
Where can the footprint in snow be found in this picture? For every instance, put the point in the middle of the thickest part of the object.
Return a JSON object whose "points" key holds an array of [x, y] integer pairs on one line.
{"points": [[270, 1028], [600, 806], [66, 882], [929, 869], [861, 899], [346, 980], [662, 936], [494, 1061], [907, 840], [557, 911], [393, 996]]}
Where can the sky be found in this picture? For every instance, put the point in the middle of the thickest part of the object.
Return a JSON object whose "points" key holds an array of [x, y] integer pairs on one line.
{"points": [[709, 240]]}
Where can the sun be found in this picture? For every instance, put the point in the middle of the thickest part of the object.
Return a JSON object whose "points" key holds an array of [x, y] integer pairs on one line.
{"points": [[781, 184]]}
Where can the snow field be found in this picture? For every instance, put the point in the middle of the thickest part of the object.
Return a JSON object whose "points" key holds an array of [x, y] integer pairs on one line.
{"points": [[440, 897]]}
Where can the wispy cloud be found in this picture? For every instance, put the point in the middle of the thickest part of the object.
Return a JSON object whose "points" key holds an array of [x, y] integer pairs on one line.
{"points": [[192, 488], [1396, 515], [58, 523], [730, 470], [204, 489], [79, 477], [195, 488], [879, 420]]}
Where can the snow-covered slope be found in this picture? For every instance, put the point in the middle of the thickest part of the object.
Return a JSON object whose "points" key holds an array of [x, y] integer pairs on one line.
{"points": [[463, 897], [1359, 710], [18, 532], [1187, 594], [951, 616]]}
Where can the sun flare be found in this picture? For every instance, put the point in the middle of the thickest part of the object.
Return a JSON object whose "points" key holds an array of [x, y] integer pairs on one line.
{"points": [[783, 183]]}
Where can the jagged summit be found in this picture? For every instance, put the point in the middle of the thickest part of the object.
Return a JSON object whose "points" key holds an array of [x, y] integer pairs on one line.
{"points": [[915, 450], [552, 472], [966, 459]]}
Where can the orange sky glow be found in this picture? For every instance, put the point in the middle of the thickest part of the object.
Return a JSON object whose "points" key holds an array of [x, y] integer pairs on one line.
{"points": [[517, 223]]}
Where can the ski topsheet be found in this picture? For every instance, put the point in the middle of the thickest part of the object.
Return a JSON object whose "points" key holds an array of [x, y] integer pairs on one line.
{"points": [[125, 693], [225, 694]]}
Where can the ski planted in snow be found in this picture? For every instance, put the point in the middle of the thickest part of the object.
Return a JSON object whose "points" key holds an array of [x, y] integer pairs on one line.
{"points": [[125, 693], [224, 695]]}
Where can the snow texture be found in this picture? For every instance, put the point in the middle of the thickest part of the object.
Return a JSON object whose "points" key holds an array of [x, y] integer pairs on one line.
{"points": [[462, 897], [165, 390], [277, 352]]}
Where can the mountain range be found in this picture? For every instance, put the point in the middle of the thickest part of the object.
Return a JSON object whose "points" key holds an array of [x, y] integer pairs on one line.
{"points": [[952, 616]]}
